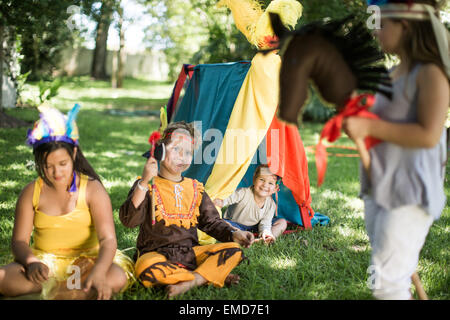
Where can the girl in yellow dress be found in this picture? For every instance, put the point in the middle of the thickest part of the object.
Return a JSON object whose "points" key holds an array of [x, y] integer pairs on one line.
{"points": [[74, 251]]}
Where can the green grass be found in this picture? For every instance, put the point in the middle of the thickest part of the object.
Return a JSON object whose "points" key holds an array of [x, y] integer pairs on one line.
{"points": [[328, 262]]}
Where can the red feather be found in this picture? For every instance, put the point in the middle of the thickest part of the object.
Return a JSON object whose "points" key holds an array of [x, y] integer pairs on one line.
{"points": [[269, 41], [153, 139]]}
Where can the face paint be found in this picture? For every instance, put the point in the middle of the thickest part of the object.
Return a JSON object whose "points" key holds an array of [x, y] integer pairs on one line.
{"points": [[179, 153]]}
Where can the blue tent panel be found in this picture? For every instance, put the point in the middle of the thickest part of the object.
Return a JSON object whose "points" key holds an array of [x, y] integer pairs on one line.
{"points": [[210, 98]]}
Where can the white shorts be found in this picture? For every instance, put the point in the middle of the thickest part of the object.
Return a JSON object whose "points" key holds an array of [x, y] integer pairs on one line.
{"points": [[396, 238]]}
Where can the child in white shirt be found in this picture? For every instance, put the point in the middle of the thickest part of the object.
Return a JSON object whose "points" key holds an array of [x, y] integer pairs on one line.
{"points": [[252, 209]]}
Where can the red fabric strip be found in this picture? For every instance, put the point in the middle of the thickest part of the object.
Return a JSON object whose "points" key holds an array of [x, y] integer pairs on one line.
{"points": [[332, 129], [287, 159], [186, 70]]}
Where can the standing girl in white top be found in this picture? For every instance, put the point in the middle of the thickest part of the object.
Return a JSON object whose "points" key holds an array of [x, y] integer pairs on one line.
{"points": [[252, 209], [404, 191]]}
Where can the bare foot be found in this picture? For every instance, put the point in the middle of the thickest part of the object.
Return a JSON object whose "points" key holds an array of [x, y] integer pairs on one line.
{"points": [[182, 287], [232, 279]]}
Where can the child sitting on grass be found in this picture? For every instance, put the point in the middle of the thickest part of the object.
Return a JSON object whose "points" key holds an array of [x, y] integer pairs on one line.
{"points": [[68, 214], [168, 250], [252, 209]]}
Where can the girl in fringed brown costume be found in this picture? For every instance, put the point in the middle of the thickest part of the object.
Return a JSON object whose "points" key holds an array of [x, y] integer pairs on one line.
{"points": [[168, 249]]}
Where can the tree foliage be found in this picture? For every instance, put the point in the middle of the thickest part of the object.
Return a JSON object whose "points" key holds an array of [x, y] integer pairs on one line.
{"points": [[224, 42], [197, 31], [43, 29]]}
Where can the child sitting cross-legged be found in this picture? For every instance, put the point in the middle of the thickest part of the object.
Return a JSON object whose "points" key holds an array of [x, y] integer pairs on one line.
{"points": [[252, 209], [67, 214], [169, 253]]}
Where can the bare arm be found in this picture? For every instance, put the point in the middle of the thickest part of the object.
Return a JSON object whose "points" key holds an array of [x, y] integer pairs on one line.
{"points": [[101, 210], [23, 226], [100, 207], [433, 103], [34, 270]]}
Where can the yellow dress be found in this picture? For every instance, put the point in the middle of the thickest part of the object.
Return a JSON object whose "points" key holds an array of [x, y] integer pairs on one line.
{"points": [[59, 240]]}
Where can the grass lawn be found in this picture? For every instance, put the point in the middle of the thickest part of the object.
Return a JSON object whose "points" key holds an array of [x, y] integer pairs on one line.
{"points": [[328, 262]]}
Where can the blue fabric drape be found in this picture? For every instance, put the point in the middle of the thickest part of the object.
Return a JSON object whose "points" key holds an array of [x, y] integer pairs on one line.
{"points": [[209, 99]]}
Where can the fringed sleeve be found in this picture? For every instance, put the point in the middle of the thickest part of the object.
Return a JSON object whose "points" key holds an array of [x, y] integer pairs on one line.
{"points": [[211, 223], [130, 216]]}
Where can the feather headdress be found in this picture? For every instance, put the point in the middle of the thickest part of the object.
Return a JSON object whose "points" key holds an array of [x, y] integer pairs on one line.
{"points": [[418, 11], [254, 22], [54, 126]]}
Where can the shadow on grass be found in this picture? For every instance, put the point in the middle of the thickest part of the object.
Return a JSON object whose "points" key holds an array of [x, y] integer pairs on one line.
{"points": [[316, 264], [329, 262], [85, 82], [27, 114], [124, 103], [325, 263]]}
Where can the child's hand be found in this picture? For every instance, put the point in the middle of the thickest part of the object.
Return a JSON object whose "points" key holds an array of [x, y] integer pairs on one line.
{"points": [[267, 237], [218, 203], [36, 272], [244, 238], [356, 127], [97, 280], [150, 170]]}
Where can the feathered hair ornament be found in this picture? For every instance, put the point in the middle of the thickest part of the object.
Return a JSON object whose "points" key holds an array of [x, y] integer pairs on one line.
{"points": [[153, 140], [254, 22], [419, 11], [156, 135], [54, 126]]}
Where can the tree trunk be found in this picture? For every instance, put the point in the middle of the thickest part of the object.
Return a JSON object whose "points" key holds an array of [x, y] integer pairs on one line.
{"points": [[2, 31], [119, 56], [115, 59], [98, 70], [121, 53], [6, 121], [36, 54]]}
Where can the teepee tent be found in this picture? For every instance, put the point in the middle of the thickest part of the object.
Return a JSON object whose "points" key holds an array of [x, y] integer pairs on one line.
{"points": [[234, 106], [230, 106]]}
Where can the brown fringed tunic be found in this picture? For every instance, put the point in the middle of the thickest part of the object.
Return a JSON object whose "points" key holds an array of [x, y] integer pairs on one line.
{"points": [[180, 209]]}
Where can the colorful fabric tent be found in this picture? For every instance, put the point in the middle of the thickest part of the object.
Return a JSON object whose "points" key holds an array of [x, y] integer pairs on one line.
{"points": [[238, 100], [235, 106]]}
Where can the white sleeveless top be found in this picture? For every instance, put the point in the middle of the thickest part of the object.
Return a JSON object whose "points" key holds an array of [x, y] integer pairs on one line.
{"points": [[405, 176]]}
